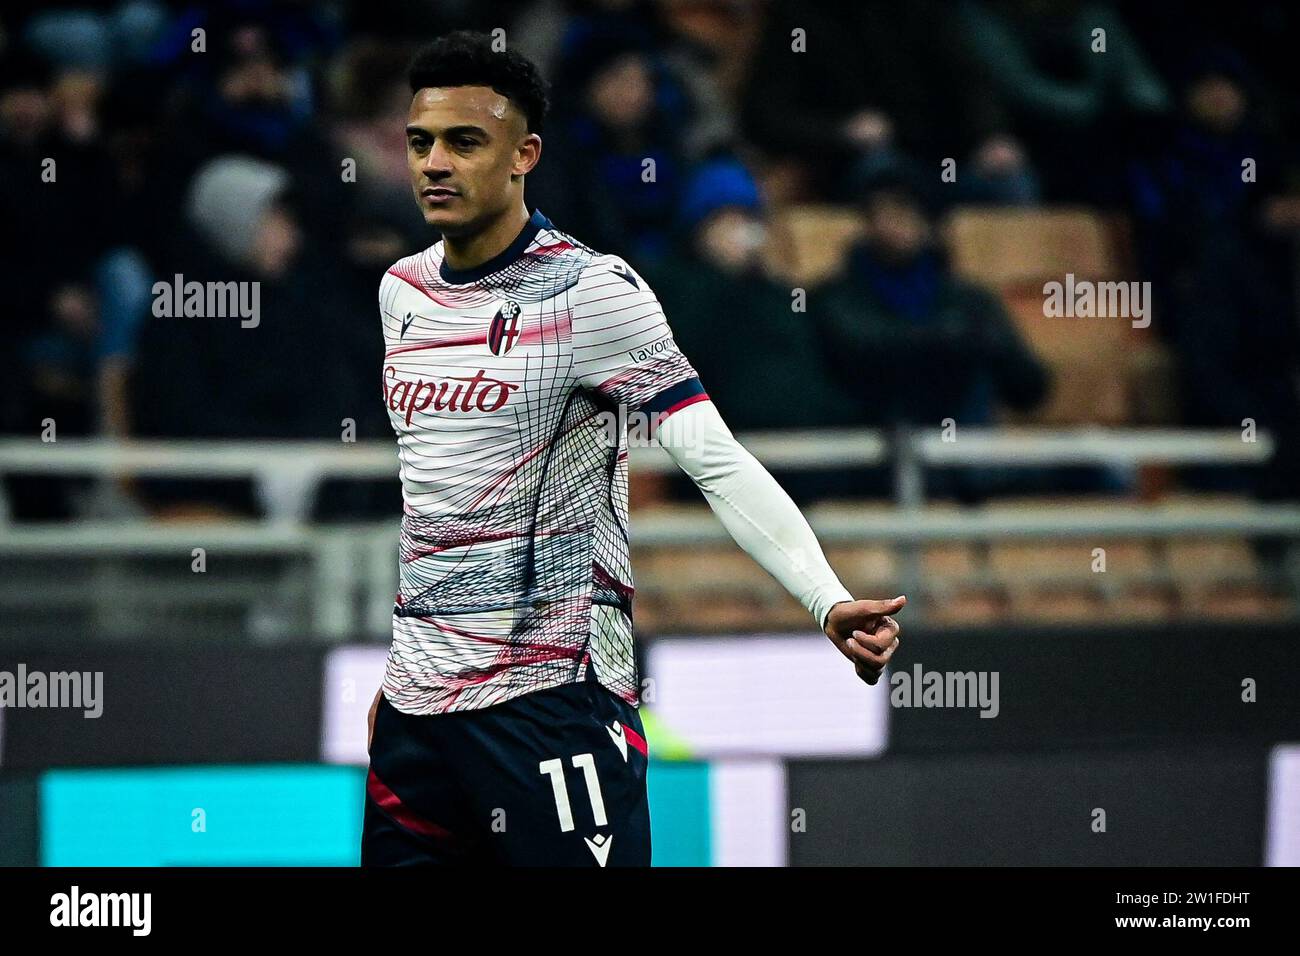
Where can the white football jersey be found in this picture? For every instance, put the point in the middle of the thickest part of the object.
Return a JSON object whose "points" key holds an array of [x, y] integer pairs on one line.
{"points": [[508, 386]]}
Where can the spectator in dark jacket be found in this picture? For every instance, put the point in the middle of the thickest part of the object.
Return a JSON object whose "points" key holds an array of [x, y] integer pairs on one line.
{"points": [[914, 343], [757, 354], [296, 369], [734, 316]]}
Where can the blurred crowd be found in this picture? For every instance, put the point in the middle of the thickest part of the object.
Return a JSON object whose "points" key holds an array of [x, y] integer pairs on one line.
{"points": [[275, 153]]}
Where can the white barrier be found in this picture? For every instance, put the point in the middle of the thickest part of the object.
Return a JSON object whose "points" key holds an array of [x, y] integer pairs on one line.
{"points": [[353, 569]]}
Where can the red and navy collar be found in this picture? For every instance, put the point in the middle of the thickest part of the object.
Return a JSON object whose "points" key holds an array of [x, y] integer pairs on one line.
{"points": [[535, 224]]}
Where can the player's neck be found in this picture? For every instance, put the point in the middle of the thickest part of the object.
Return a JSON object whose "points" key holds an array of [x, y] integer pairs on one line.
{"points": [[467, 252]]}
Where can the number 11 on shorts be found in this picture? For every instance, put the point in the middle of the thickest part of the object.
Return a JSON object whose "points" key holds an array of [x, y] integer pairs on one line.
{"points": [[555, 769]]}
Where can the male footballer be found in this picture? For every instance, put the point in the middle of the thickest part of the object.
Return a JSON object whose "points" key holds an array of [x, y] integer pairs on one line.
{"points": [[506, 730]]}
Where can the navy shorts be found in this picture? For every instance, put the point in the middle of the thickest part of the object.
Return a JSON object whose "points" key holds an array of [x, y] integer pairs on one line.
{"points": [[556, 777]]}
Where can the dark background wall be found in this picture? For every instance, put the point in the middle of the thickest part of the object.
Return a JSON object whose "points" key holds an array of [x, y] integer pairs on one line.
{"points": [[19, 820], [1147, 724], [1092, 688], [1202, 807], [1109, 685], [165, 705]]}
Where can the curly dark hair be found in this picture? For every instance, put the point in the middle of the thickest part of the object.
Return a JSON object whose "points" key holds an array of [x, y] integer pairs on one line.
{"points": [[466, 58]]}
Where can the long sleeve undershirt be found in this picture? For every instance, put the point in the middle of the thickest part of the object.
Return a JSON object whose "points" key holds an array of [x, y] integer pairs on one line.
{"points": [[752, 506]]}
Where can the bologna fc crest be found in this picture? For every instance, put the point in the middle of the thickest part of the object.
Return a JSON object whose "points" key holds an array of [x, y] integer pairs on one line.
{"points": [[505, 329]]}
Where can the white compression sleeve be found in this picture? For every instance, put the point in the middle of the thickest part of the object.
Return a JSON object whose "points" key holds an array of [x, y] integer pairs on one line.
{"points": [[754, 509]]}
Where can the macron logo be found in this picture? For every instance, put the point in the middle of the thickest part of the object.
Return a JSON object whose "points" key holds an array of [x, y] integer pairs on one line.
{"points": [[620, 739], [623, 273], [406, 323], [599, 847]]}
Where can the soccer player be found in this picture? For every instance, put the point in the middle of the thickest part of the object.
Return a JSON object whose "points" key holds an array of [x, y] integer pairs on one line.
{"points": [[506, 729]]}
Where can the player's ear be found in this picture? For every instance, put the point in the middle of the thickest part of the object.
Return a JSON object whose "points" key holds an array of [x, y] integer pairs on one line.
{"points": [[527, 153]]}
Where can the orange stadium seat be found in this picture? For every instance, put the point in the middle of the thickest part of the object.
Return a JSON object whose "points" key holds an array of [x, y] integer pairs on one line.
{"points": [[1211, 559], [864, 569], [713, 568], [1066, 560], [808, 244], [1088, 359], [955, 559], [1015, 252], [1014, 247], [1056, 604], [1232, 602], [967, 605], [1142, 602]]}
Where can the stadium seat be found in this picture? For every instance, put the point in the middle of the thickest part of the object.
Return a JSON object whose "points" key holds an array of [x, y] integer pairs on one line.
{"points": [[1141, 602], [721, 614], [965, 605], [1056, 604], [1015, 252], [646, 489], [784, 613], [1017, 247], [1067, 560], [1233, 602], [650, 613], [863, 569], [808, 244], [957, 559], [1206, 501], [1088, 359], [714, 568], [1195, 560]]}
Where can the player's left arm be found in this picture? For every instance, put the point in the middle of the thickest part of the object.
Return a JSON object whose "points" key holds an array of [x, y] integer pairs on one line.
{"points": [[624, 350], [762, 519]]}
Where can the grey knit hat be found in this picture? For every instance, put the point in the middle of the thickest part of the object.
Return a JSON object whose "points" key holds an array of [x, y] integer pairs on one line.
{"points": [[228, 198]]}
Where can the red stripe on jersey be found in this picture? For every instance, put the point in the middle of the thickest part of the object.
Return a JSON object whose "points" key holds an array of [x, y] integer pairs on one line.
{"points": [[553, 247], [476, 338], [559, 326], [605, 579], [414, 284], [505, 661], [489, 536], [658, 419]]}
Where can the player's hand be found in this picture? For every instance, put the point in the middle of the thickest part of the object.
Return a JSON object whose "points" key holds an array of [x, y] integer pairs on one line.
{"points": [[865, 633], [374, 709]]}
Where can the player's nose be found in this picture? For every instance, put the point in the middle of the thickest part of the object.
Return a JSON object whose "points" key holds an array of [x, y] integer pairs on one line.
{"points": [[437, 162]]}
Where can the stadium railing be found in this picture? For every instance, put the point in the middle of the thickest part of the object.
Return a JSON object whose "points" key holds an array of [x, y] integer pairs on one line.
{"points": [[341, 577]]}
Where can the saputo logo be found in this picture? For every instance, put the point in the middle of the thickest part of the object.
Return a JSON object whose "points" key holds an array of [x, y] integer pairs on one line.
{"points": [[452, 394]]}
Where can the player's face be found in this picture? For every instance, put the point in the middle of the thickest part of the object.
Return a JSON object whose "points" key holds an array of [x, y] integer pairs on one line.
{"points": [[468, 148]]}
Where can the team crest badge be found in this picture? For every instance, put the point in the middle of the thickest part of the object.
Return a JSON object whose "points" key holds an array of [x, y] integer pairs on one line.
{"points": [[505, 329]]}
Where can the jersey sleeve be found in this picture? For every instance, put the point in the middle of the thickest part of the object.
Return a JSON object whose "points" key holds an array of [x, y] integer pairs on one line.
{"points": [[622, 345], [753, 507]]}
